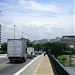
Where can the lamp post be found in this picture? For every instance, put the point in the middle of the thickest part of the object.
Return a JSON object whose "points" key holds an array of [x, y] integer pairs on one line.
{"points": [[14, 31], [0, 34], [14, 40], [22, 34]]}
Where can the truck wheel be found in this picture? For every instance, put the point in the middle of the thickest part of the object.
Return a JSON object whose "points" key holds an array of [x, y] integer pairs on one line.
{"points": [[24, 60], [11, 61], [15, 61]]}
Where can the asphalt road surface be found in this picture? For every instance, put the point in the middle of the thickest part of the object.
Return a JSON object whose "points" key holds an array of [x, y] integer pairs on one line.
{"points": [[7, 68]]}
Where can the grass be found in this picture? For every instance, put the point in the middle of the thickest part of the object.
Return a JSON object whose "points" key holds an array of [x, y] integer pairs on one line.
{"points": [[66, 61], [72, 65]]}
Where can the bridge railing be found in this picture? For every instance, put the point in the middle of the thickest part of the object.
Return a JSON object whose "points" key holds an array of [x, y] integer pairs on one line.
{"points": [[60, 70]]}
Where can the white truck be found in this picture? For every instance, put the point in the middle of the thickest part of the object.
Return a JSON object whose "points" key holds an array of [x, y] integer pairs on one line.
{"points": [[30, 52], [16, 50]]}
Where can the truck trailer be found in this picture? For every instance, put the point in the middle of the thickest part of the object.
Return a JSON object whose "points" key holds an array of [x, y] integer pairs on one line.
{"points": [[16, 50]]}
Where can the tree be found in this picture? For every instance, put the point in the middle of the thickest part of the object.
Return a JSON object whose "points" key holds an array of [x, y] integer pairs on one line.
{"points": [[4, 47], [29, 43], [37, 47], [58, 48]]}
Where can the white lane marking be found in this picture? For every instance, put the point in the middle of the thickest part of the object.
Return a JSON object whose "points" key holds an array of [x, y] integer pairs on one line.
{"points": [[38, 66], [20, 71]]}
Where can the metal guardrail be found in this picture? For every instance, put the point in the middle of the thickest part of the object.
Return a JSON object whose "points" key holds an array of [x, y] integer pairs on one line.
{"points": [[60, 70]]}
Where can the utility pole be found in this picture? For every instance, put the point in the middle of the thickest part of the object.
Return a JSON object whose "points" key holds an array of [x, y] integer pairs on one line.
{"points": [[0, 34], [22, 34], [14, 31], [14, 39]]}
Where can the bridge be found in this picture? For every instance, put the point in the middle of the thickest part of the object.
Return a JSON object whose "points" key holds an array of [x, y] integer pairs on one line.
{"points": [[43, 65], [40, 65]]}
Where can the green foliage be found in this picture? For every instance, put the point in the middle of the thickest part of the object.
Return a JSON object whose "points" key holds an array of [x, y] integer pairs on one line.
{"points": [[29, 43], [58, 48], [55, 49], [3, 48], [73, 50], [60, 58], [66, 60], [37, 47]]}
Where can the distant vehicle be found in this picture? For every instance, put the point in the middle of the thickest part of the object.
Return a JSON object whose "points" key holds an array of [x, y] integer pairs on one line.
{"points": [[36, 52], [30, 51], [29, 55], [16, 50], [40, 52]]}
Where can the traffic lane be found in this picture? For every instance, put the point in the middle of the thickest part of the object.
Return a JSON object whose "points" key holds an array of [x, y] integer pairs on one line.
{"points": [[3, 60], [8, 68]]}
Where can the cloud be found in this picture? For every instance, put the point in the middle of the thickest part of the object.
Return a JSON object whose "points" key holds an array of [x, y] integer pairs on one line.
{"points": [[38, 6], [37, 20], [37, 27]]}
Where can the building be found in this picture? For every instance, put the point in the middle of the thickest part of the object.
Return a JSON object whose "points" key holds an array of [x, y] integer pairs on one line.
{"points": [[43, 41], [35, 42], [40, 41], [57, 39], [70, 40]]}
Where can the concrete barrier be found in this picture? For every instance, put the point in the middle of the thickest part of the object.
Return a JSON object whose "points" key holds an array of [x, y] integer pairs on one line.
{"points": [[60, 70]]}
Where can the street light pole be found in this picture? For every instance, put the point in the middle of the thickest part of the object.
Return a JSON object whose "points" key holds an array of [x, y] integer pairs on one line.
{"points": [[0, 34], [14, 39], [14, 31], [22, 34]]}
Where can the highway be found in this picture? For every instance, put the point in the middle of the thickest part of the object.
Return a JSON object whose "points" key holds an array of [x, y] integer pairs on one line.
{"points": [[7, 68]]}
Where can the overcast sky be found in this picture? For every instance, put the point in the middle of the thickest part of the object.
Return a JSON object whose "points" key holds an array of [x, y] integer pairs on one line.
{"points": [[38, 19]]}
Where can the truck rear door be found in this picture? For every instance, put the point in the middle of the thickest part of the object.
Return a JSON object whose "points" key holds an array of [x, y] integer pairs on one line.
{"points": [[14, 48], [18, 48], [10, 48]]}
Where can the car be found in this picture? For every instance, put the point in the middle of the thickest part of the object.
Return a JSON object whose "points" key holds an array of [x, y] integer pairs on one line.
{"points": [[40, 52], [29, 55], [34, 54]]}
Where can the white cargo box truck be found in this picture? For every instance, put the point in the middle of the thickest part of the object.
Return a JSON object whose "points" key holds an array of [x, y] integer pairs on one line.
{"points": [[16, 50], [30, 51]]}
